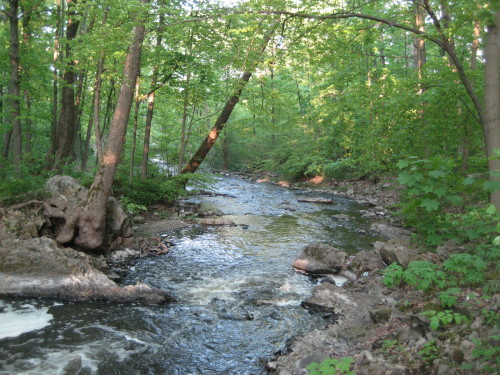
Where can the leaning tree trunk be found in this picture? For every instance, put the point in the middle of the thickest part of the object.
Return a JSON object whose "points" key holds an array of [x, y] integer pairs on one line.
{"points": [[210, 139], [86, 226], [221, 121], [492, 106]]}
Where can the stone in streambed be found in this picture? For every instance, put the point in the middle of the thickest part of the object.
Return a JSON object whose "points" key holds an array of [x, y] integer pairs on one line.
{"points": [[320, 258]]}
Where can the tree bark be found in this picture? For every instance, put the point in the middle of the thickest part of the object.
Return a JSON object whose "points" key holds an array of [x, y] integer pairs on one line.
{"points": [[221, 121], [134, 133], [182, 148], [7, 136], [492, 105], [149, 115], [86, 228], [420, 55], [14, 89], [65, 134], [55, 85], [473, 66], [26, 78]]}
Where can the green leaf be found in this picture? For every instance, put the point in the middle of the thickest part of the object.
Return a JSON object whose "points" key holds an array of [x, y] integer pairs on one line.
{"points": [[491, 209], [440, 192], [491, 186], [437, 173], [430, 204], [403, 164], [496, 241], [434, 324], [469, 181]]}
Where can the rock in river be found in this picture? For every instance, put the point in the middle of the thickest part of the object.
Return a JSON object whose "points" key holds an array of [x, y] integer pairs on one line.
{"points": [[39, 268], [320, 258]]}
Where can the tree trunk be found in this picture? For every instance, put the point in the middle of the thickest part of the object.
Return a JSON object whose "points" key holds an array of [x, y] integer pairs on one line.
{"points": [[7, 136], [473, 66], [63, 144], [182, 148], [55, 88], [420, 55], [210, 139], [149, 115], [86, 143], [26, 78], [221, 121], [134, 133], [86, 227], [14, 89], [80, 104], [492, 105], [100, 130]]}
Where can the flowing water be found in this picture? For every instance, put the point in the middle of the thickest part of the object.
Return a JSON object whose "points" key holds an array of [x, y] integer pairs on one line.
{"points": [[239, 298]]}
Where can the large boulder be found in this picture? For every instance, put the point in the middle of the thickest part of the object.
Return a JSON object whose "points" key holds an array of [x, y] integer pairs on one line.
{"points": [[363, 262], [39, 268], [397, 251], [63, 185], [320, 258]]}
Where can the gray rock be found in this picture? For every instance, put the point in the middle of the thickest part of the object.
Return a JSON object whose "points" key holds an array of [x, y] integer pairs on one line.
{"points": [[380, 314], [364, 261], [396, 250], [123, 255], [387, 230], [39, 268], [319, 258], [63, 185], [139, 219]]}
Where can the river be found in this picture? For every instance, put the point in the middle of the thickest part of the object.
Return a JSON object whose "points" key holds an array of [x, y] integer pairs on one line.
{"points": [[239, 298]]}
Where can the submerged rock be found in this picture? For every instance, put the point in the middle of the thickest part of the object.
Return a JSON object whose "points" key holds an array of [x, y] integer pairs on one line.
{"points": [[39, 268], [320, 258]]}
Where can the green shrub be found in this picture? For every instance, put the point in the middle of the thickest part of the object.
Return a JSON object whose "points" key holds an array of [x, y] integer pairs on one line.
{"points": [[143, 193], [422, 275], [431, 189], [465, 269], [444, 318], [434, 202], [341, 169], [332, 366], [14, 190]]}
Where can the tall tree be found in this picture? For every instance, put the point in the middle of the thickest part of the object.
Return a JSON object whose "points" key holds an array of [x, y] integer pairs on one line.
{"points": [[86, 225], [150, 112], [65, 133], [14, 87], [492, 105]]}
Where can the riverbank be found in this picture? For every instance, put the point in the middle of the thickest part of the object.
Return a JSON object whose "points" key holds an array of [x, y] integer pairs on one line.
{"points": [[389, 331]]}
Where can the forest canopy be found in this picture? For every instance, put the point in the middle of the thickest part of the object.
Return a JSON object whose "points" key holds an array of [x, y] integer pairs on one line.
{"points": [[338, 88]]}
